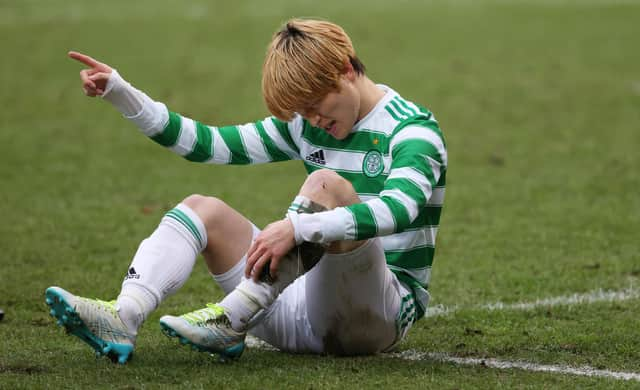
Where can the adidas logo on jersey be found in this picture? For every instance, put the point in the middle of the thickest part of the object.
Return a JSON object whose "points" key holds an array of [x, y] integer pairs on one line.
{"points": [[317, 157], [131, 274]]}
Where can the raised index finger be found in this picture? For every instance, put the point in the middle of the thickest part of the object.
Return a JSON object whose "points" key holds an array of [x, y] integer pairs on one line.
{"points": [[85, 59]]}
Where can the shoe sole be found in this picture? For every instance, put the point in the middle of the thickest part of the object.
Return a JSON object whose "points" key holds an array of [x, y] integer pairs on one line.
{"points": [[67, 317], [231, 353]]}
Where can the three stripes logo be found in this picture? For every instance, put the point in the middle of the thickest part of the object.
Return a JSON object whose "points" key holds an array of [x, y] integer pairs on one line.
{"points": [[131, 274], [317, 157]]}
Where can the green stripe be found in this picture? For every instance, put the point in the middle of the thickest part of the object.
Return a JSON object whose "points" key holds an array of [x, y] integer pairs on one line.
{"points": [[181, 217], [413, 155], [428, 216], [399, 213], [406, 106], [359, 141], [171, 131], [283, 129], [366, 223], [413, 147], [414, 258], [274, 152], [203, 149], [408, 187], [231, 137], [443, 177], [392, 113], [399, 109]]}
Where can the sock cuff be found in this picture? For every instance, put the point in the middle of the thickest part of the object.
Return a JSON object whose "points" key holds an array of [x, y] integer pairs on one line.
{"points": [[188, 222]]}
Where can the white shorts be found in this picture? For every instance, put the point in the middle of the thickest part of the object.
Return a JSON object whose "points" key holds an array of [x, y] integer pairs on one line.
{"points": [[348, 304]]}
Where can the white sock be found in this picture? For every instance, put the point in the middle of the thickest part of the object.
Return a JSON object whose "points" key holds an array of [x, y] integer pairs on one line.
{"points": [[161, 265], [249, 297]]}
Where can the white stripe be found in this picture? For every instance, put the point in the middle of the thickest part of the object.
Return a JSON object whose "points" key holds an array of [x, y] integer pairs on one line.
{"points": [[593, 296], [367, 197], [387, 163], [414, 355], [437, 197], [277, 139], [256, 151], [422, 133], [350, 161], [410, 239], [350, 223], [382, 215], [221, 152], [435, 168], [409, 204], [187, 137], [414, 176]]}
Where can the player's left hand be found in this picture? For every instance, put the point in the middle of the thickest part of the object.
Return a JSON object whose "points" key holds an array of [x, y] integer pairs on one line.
{"points": [[275, 241]]}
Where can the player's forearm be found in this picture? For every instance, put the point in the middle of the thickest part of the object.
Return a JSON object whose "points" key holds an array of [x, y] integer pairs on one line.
{"points": [[150, 116], [360, 221], [323, 227]]}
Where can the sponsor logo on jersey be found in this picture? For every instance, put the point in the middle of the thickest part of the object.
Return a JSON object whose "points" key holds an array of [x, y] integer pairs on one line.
{"points": [[372, 164], [317, 157]]}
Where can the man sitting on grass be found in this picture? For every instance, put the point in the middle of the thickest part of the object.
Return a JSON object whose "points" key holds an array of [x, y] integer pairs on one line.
{"points": [[345, 272]]}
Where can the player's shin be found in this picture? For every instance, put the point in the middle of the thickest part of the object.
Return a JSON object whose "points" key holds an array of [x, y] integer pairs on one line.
{"points": [[161, 265]]}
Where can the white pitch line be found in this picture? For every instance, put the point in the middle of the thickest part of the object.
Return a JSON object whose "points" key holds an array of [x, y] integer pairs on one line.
{"points": [[504, 364], [414, 355], [593, 296]]}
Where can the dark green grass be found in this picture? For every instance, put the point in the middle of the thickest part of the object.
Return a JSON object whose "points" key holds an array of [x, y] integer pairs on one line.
{"points": [[539, 104]]}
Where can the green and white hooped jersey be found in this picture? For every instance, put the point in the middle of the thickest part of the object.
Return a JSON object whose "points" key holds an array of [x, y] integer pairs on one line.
{"points": [[395, 158]]}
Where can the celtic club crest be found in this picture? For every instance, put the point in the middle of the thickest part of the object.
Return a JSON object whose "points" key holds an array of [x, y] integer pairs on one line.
{"points": [[372, 165]]}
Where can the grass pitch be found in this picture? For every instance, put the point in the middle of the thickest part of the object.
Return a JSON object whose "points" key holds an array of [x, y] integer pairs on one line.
{"points": [[539, 104]]}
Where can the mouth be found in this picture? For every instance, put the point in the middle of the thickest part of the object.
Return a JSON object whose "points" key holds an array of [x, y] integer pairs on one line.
{"points": [[331, 127]]}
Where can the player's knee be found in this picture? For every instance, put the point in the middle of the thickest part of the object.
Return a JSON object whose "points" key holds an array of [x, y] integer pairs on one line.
{"points": [[208, 208], [324, 180], [329, 189]]}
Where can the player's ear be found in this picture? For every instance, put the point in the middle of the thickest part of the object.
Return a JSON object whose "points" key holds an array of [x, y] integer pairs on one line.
{"points": [[348, 72]]}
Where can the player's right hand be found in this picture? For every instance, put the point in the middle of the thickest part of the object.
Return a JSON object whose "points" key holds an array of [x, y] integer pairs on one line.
{"points": [[94, 79]]}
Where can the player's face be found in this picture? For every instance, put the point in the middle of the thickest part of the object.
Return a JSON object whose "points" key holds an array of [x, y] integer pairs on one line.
{"points": [[337, 112]]}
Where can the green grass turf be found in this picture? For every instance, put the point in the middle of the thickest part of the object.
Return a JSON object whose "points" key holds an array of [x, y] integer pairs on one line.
{"points": [[539, 104]]}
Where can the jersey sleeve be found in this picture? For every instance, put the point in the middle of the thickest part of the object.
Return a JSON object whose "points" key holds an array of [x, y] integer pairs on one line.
{"points": [[267, 140], [419, 160]]}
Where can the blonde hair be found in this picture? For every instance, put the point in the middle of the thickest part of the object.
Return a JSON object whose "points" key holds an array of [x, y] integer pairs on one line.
{"points": [[303, 64]]}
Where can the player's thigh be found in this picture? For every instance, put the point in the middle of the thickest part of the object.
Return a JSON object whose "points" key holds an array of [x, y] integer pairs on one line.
{"points": [[229, 233], [353, 301]]}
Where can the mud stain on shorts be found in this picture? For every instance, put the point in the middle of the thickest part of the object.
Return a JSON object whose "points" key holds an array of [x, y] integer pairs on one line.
{"points": [[362, 333]]}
